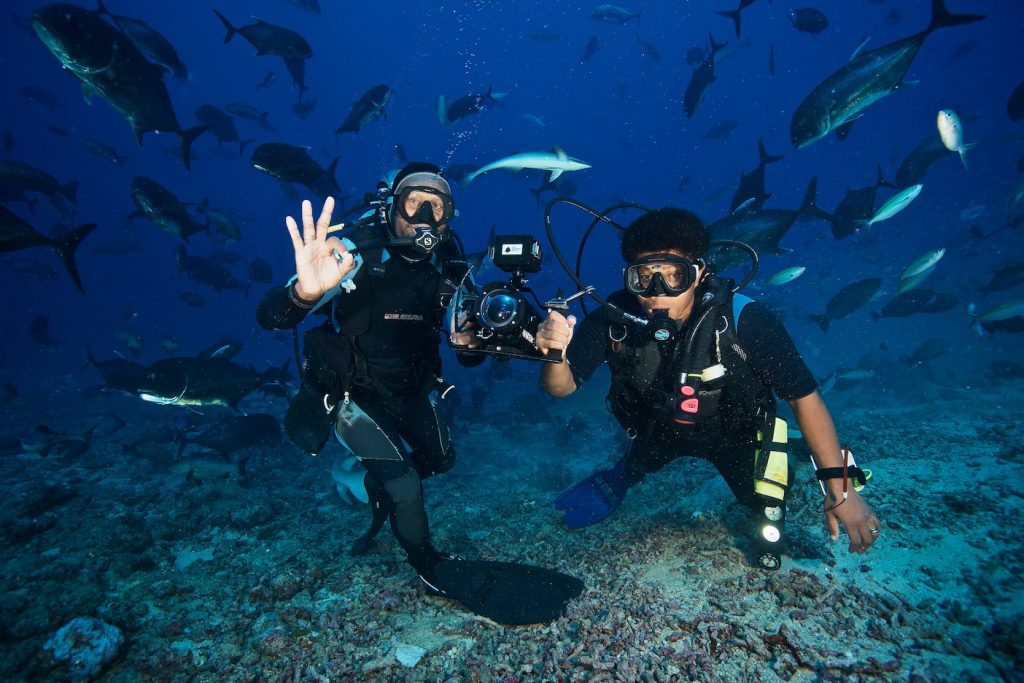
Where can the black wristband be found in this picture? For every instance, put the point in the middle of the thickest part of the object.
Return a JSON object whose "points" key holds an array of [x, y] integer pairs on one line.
{"points": [[293, 296]]}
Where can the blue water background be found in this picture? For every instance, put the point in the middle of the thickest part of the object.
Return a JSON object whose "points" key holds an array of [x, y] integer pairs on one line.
{"points": [[640, 146]]}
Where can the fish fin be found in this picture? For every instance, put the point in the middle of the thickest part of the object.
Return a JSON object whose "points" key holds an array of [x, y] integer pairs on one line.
{"points": [[560, 153], [943, 18], [100, 9], [66, 246], [844, 130], [810, 196], [88, 92], [188, 136], [242, 462], [860, 48], [715, 47], [442, 111], [963, 153], [331, 170], [822, 321], [734, 15], [231, 30], [554, 175], [764, 156], [882, 182], [241, 146]]}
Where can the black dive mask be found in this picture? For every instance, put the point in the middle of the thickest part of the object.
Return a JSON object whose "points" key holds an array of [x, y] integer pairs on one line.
{"points": [[660, 275]]}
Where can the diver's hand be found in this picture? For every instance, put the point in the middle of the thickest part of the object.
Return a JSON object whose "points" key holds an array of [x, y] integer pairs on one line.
{"points": [[857, 517], [320, 261], [555, 332]]}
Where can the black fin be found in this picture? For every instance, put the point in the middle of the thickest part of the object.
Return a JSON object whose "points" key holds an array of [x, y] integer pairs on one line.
{"points": [[66, 246]]}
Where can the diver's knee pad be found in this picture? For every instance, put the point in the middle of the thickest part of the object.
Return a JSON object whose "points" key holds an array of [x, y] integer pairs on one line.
{"points": [[405, 488]]}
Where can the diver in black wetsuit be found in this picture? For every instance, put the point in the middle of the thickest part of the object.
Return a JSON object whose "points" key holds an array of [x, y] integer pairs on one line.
{"points": [[372, 367], [698, 380]]}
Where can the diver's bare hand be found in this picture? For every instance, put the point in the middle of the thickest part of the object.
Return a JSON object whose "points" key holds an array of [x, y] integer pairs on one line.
{"points": [[859, 520], [555, 332], [320, 261]]}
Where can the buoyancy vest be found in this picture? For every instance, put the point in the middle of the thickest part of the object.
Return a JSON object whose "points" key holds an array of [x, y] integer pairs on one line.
{"points": [[646, 374]]}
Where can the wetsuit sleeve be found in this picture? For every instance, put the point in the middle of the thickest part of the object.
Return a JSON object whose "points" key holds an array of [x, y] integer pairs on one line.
{"points": [[586, 350], [773, 356], [282, 309]]}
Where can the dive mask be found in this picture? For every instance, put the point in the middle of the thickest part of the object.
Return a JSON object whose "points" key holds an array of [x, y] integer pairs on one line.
{"points": [[660, 275], [422, 205]]}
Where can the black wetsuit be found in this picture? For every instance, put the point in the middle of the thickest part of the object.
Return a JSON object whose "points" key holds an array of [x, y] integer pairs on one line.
{"points": [[640, 386], [390, 320]]}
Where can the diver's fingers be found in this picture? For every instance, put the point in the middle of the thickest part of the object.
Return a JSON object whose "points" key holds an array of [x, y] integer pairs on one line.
{"points": [[857, 543], [308, 229], [293, 232], [832, 523], [324, 221]]}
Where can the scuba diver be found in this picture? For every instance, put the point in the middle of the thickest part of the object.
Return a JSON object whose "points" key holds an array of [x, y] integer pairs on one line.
{"points": [[372, 371], [697, 378]]}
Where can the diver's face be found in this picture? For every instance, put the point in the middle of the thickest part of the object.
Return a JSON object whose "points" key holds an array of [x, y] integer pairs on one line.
{"points": [[413, 201], [678, 306]]}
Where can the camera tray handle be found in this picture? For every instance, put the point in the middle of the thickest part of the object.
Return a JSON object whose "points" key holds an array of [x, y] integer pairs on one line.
{"points": [[560, 303]]}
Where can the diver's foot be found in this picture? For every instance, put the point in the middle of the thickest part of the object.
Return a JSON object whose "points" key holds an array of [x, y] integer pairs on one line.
{"points": [[363, 545]]}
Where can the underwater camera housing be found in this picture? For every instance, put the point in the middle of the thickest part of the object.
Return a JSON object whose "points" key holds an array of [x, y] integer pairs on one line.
{"points": [[503, 318]]}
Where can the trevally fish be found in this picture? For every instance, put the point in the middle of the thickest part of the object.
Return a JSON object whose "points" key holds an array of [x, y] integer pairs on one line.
{"points": [[162, 208], [913, 169], [556, 162], [702, 78], [808, 20], [368, 108], [751, 185], [839, 99], [16, 234], [613, 14], [102, 150], [466, 105], [294, 165], [233, 433], [17, 178], [149, 41], [856, 205], [951, 132], [762, 230], [282, 42], [847, 300], [1005, 278], [221, 125], [109, 64], [893, 206], [917, 301], [207, 271]]}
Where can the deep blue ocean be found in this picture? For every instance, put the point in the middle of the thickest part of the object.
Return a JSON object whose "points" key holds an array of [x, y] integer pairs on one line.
{"points": [[620, 111]]}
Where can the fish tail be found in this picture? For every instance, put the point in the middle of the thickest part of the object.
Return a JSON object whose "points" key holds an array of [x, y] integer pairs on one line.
{"points": [[822, 321], [810, 196], [882, 182], [963, 153], [66, 246], [943, 18], [227, 24], [764, 156], [188, 136], [734, 15], [241, 146], [715, 47]]}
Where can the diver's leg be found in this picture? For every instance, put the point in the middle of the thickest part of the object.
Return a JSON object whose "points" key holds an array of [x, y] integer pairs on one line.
{"points": [[600, 494], [380, 508], [426, 432], [372, 433], [767, 513]]}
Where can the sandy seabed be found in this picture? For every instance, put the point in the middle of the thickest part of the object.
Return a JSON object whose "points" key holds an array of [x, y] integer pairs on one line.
{"points": [[250, 580]]}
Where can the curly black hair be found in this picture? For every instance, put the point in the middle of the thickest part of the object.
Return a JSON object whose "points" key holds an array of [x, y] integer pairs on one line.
{"points": [[664, 229]]}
